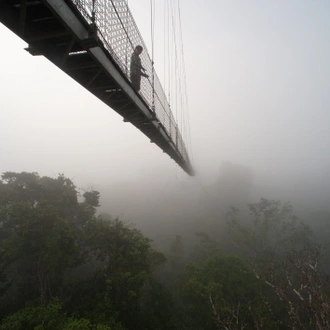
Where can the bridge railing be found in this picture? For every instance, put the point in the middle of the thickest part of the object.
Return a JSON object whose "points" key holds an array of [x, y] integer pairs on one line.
{"points": [[119, 34]]}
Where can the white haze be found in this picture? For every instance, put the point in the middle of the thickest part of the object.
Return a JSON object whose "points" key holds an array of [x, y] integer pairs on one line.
{"points": [[258, 76]]}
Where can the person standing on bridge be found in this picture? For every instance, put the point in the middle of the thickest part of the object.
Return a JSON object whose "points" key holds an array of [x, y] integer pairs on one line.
{"points": [[137, 68]]}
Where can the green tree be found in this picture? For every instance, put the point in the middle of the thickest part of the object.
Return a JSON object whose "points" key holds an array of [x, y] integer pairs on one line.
{"points": [[282, 254], [221, 291], [224, 294], [123, 262], [50, 317], [176, 266], [40, 223]]}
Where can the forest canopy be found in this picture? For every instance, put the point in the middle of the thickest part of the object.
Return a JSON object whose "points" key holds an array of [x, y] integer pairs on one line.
{"points": [[64, 266]]}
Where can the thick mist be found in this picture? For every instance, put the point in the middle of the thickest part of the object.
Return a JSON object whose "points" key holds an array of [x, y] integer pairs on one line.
{"points": [[258, 77], [185, 206], [99, 229]]}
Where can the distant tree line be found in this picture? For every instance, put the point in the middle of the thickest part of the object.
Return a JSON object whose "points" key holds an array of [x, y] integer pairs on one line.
{"points": [[62, 266]]}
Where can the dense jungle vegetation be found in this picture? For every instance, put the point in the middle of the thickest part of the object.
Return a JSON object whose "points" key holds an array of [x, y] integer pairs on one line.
{"points": [[65, 266]]}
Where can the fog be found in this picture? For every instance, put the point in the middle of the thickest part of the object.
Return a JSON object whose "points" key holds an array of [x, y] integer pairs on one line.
{"points": [[258, 81]]}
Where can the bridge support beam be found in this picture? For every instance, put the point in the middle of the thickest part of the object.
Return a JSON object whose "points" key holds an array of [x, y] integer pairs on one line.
{"points": [[71, 44]]}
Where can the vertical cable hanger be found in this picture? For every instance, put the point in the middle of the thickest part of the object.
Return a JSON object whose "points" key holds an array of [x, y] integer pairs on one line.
{"points": [[167, 42], [168, 52], [93, 13], [93, 28], [127, 41], [152, 7], [164, 43], [121, 22]]}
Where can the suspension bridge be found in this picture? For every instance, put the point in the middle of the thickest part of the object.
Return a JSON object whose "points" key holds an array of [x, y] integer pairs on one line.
{"points": [[92, 41]]}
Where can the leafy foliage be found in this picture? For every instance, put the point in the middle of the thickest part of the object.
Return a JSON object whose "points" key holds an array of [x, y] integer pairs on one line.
{"points": [[49, 317], [222, 292], [282, 254], [64, 267], [52, 245]]}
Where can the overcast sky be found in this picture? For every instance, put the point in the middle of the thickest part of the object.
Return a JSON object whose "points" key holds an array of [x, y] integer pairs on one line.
{"points": [[258, 76]]}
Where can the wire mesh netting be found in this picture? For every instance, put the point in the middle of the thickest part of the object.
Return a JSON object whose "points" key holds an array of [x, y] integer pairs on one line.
{"points": [[119, 34]]}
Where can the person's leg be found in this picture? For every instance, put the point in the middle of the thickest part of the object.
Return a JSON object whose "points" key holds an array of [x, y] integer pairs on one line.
{"points": [[136, 82]]}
